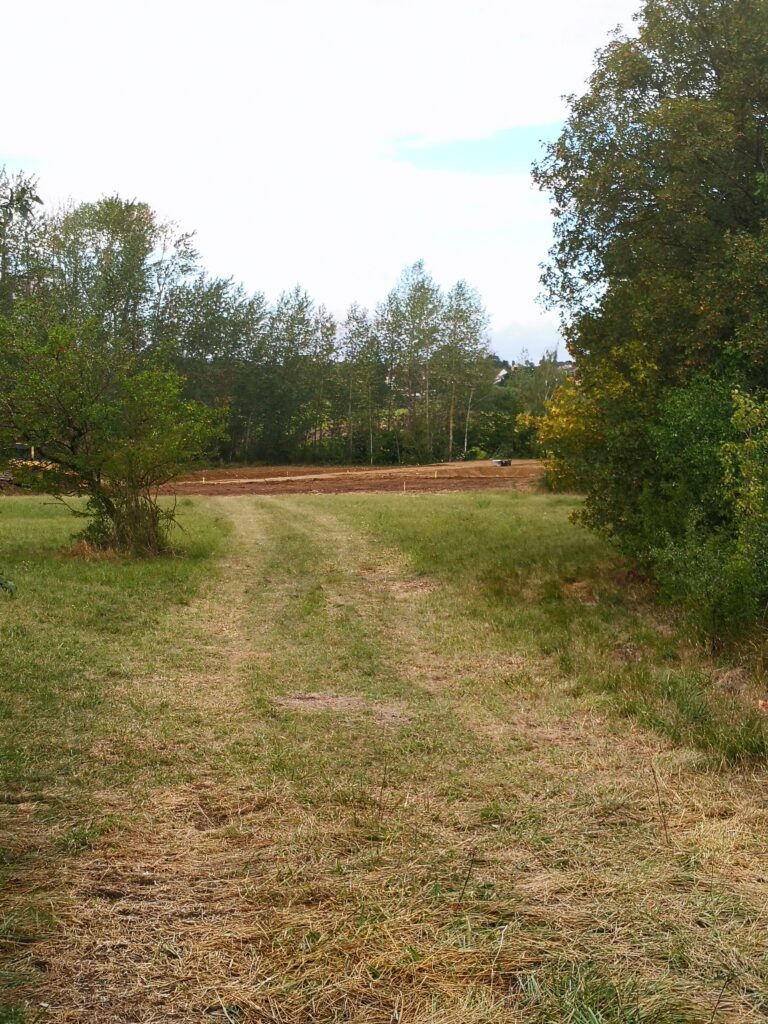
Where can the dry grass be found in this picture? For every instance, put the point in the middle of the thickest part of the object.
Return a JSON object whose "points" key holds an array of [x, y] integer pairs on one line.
{"points": [[496, 849]]}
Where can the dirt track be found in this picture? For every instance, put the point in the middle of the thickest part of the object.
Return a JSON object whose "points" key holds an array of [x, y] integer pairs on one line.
{"points": [[521, 475]]}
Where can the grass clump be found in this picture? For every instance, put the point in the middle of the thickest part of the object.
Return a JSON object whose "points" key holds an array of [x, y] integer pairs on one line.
{"points": [[578, 994]]}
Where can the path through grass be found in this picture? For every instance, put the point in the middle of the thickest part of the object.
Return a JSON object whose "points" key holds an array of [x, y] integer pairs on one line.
{"points": [[375, 771]]}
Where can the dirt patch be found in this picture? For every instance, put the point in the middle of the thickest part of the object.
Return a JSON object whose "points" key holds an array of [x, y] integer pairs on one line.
{"points": [[399, 586], [583, 591], [732, 680], [344, 704], [520, 475], [627, 652], [437, 674]]}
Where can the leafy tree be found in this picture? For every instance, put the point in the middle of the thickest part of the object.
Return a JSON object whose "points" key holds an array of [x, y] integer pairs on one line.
{"points": [[409, 324], [660, 203], [217, 338], [18, 202], [84, 377], [114, 264], [364, 385], [106, 424], [462, 352]]}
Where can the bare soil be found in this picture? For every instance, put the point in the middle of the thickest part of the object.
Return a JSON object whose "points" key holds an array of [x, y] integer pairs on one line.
{"points": [[520, 475]]}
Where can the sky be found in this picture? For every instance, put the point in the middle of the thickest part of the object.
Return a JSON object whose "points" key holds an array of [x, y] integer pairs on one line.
{"points": [[328, 143]]}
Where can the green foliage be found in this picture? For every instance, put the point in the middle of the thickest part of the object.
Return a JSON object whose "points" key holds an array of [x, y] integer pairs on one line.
{"points": [[476, 453], [16, 1014], [691, 425], [86, 382], [661, 244], [109, 424], [721, 568], [18, 199], [721, 590], [509, 413]]}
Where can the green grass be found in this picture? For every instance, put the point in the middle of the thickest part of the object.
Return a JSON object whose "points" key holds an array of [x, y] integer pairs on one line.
{"points": [[577, 994], [75, 630], [70, 644], [518, 563], [468, 821]]}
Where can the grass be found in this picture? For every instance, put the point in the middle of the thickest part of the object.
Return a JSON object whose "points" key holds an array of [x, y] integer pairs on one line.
{"points": [[360, 759], [65, 637], [556, 588], [69, 643]]}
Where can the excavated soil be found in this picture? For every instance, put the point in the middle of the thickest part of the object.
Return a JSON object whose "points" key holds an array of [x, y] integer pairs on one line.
{"points": [[520, 475]]}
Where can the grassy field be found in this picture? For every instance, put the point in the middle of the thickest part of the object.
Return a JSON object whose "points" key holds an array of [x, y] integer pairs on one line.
{"points": [[380, 758]]}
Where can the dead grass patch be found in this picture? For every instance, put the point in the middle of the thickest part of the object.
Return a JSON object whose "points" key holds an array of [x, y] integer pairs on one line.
{"points": [[583, 591], [89, 553], [732, 680], [439, 672], [401, 587], [344, 704]]}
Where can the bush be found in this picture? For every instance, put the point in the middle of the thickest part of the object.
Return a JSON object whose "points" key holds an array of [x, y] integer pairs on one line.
{"points": [[712, 446], [721, 590]]}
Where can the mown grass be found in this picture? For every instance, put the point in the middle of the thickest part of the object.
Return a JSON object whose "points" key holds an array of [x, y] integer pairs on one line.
{"points": [[64, 637], [493, 851], [69, 640], [518, 562]]}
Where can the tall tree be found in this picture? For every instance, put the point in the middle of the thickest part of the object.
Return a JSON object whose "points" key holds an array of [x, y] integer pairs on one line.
{"points": [[659, 172], [18, 221], [660, 182], [409, 323], [460, 355], [114, 264]]}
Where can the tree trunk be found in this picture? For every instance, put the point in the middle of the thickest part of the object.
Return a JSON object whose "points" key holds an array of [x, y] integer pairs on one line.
{"points": [[451, 411], [466, 422], [349, 421], [429, 426]]}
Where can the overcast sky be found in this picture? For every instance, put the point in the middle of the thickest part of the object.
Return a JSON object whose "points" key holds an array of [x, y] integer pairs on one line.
{"points": [[323, 142]]}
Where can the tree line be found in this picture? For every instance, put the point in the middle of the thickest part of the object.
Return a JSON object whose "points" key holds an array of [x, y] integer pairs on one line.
{"points": [[122, 362], [413, 380]]}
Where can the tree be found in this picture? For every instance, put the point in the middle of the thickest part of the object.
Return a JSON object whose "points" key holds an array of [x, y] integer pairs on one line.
{"points": [[85, 377], [18, 202], [217, 338], [106, 424], [660, 167], [114, 264], [364, 383], [461, 353], [661, 206], [408, 324]]}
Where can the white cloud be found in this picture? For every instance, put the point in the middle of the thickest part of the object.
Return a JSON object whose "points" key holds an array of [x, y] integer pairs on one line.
{"points": [[266, 125]]}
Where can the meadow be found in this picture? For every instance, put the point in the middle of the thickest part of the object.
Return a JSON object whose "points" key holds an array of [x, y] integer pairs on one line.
{"points": [[370, 758]]}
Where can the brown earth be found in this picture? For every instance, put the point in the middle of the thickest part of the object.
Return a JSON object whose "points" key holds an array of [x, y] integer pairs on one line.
{"points": [[521, 475]]}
